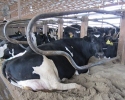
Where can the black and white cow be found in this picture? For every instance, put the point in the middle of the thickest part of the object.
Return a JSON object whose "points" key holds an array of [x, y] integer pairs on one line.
{"points": [[72, 31], [39, 72], [109, 39], [8, 49]]}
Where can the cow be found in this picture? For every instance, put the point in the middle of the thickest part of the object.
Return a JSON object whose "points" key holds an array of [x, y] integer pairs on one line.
{"points": [[8, 49], [109, 39], [72, 31], [29, 70], [44, 38]]}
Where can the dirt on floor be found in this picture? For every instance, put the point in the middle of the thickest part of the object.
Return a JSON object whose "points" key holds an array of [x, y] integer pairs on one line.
{"points": [[103, 82]]}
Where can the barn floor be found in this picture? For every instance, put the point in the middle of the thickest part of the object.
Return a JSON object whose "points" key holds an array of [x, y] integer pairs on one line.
{"points": [[104, 82]]}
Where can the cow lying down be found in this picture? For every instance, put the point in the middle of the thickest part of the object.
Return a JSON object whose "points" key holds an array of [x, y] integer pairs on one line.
{"points": [[39, 72]]}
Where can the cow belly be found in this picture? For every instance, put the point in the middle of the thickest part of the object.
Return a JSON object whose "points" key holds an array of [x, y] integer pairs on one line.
{"points": [[35, 84]]}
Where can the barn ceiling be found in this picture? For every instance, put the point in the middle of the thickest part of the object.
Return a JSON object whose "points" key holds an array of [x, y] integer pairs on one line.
{"points": [[13, 9]]}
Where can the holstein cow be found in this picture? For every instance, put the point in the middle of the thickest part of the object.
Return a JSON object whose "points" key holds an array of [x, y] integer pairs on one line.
{"points": [[8, 49], [39, 72], [72, 31], [44, 38], [108, 39]]}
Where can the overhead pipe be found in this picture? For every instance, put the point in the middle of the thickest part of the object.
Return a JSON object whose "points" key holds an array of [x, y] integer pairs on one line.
{"points": [[104, 22], [75, 18], [7, 37], [48, 15], [95, 20]]}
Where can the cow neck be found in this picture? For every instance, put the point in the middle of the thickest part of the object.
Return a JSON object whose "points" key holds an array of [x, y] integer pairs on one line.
{"points": [[81, 46], [86, 49]]}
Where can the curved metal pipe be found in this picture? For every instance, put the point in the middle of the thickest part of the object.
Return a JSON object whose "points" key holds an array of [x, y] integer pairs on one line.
{"points": [[42, 52], [7, 37], [22, 46], [2, 38], [105, 22]]}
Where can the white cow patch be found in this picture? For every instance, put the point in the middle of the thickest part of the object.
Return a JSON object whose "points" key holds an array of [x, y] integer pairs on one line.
{"points": [[69, 51], [48, 40], [104, 48], [53, 35], [97, 36], [34, 38], [76, 72], [12, 53], [77, 31], [2, 50], [18, 55], [15, 84]]}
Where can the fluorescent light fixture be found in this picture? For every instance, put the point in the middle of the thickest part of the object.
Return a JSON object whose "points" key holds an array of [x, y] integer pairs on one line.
{"points": [[31, 8]]}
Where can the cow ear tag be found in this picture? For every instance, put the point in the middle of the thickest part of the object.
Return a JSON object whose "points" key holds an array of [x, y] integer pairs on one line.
{"points": [[109, 42], [71, 35], [40, 33]]}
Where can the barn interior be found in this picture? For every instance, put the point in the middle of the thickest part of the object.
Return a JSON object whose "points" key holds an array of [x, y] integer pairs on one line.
{"points": [[103, 82]]}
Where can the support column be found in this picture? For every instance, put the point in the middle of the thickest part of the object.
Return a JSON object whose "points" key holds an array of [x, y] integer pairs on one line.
{"points": [[34, 28], [25, 29], [84, 26], [121, 43], [60, 29], [45, 27]]}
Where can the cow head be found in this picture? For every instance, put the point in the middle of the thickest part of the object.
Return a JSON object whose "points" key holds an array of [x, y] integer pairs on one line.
{"points": [[96, 47]]}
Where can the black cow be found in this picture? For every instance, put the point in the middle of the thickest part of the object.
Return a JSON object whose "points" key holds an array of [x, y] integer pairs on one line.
{"points": [[44, 38], [72, 31], [39, 72]]}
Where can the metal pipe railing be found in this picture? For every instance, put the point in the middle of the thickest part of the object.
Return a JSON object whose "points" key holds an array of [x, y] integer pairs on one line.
{"points": [[7, 37], [42, 52]]}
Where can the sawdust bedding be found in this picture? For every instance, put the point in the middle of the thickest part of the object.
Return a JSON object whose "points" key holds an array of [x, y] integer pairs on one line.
{"points": [[103, 82]]}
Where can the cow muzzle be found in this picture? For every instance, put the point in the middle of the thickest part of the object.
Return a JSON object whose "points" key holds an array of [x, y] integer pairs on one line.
{"points": [[99, 55]]}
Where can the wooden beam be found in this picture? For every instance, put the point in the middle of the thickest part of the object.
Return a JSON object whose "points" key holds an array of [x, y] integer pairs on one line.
{"points": [[45, 27], [84, 26], [34, 28], [25, 29], [121, 44], [60, 29]]}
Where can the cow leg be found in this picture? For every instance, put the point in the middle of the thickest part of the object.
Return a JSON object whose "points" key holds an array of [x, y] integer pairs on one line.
{"points": [[68, 86]]}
